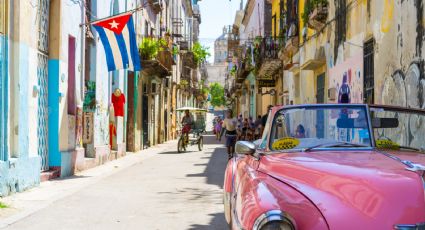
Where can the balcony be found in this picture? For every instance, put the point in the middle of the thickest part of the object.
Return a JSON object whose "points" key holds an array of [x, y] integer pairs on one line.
{"points": [[188, 59], [291, 46], [177, 27], [155, 5], [267, 58], [244, 70], [157, 63], [318, 16]]}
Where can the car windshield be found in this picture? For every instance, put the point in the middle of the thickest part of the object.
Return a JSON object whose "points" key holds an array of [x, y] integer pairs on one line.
{"points": [[320, 127], [398, 128]]}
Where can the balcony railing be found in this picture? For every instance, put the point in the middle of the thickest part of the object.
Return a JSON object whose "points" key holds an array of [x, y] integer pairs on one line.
{"points": [[188, 59], [267, 48], [291, 42]]}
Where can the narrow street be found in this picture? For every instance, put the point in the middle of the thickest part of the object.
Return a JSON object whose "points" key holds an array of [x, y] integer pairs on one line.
{"points": [[163, 190]]}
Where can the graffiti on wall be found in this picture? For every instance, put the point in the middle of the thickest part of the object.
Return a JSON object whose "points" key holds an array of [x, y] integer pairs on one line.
{"points": [[406, 89], [347, 79]]}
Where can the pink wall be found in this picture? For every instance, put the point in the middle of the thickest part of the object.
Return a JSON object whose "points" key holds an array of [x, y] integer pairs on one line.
{"points": [[352, 71]]}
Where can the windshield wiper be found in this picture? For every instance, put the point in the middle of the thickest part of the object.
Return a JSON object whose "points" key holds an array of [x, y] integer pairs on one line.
{"points": [[336, 144], [409, 148]]}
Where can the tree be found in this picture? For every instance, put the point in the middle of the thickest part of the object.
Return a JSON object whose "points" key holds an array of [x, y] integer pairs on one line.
{"points": [[217, 94]]}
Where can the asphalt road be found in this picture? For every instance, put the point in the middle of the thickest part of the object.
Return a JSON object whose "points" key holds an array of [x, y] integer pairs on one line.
{"points": [[164, 191]]}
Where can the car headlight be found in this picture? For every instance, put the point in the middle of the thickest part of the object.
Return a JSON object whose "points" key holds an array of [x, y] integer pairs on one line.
{"points": [[274, 220], [277, 225]]}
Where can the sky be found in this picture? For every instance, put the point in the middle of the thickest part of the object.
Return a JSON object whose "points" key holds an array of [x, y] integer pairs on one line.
{"points": [[215, 14]]}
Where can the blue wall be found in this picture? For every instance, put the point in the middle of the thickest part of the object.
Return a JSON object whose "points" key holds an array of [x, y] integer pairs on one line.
{"points": [[23, 130], [20, 172], [4, 100], [53, 103]]}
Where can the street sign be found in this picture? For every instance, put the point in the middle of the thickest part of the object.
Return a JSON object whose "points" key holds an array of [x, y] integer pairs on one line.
{"points": [[266, 83]]}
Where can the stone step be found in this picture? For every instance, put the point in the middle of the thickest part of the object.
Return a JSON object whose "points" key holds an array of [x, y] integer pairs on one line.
{"points": [[49, 175]]}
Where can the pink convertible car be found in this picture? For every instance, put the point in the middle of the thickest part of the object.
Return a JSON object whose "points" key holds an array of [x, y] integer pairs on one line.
{"points": [[344, 166]]}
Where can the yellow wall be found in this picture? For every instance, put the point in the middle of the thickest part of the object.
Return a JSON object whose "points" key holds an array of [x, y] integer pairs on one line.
{"points": [[276, 11], [3, 16], [310, 32]]}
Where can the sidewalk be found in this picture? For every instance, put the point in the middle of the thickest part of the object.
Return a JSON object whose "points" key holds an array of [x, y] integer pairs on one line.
{"points": [[23, 204]]}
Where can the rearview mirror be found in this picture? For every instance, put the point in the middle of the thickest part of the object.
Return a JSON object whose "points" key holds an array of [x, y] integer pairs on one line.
{"points": [[384, 123], [245, 148]]}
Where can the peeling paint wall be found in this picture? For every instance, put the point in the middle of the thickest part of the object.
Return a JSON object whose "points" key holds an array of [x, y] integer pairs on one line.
{"points": [[21, 170], [399, 73]]}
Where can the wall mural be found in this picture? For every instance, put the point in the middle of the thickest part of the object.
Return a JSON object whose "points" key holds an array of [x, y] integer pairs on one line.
{"points": [[347, 78], [406, 90]]}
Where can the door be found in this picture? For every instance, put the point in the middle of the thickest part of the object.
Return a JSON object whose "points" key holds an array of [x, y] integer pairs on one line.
{"points": [[130, 112], [166, 125], [320, 98], [42, 79], [145, 119], [71, 76]]}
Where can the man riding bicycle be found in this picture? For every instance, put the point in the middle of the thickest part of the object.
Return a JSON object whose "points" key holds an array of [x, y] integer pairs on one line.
{"points": [[187, 122]]}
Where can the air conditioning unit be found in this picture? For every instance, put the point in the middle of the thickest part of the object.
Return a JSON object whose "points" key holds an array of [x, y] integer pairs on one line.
{"points": [[332, 94]]}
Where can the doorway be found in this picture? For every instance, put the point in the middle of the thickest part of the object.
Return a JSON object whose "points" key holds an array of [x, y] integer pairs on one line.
{"points": [[320, 99], [130, 141], [145, 117]]}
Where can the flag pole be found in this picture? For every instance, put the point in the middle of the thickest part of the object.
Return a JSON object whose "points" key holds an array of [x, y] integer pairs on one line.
{"points": [[116, 15]]}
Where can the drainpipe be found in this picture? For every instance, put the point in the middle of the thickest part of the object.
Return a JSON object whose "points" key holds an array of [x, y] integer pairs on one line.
{"points": [[83, 50], [126, 94]]}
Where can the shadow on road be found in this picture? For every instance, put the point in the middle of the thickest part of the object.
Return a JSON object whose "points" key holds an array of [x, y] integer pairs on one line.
{"points": [[70, 178], [218, 222], [175, 152], [214, 172]]}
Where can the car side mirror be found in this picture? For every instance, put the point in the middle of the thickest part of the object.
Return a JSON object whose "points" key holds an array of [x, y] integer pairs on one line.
{"points": [[245, 148]]}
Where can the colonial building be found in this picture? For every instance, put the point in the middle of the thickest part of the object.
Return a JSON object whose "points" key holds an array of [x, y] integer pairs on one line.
{"points": [[57, 111], [318, 50]]}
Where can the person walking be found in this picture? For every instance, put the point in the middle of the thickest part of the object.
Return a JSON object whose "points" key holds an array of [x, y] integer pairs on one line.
{"points": [[264, 118], [229, 126], [245, 127], [257, 127], [217, 128], [251, 129]]}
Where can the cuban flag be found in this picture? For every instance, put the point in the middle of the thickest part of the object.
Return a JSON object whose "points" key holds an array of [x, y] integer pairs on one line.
{"points": [[119, 40]]}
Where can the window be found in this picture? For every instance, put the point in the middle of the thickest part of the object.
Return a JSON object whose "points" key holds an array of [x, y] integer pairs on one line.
{"points": [[369, 79]]}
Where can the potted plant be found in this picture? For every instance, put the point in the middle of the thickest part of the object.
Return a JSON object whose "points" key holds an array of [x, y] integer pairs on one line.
{"points": [[150, 47]]}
